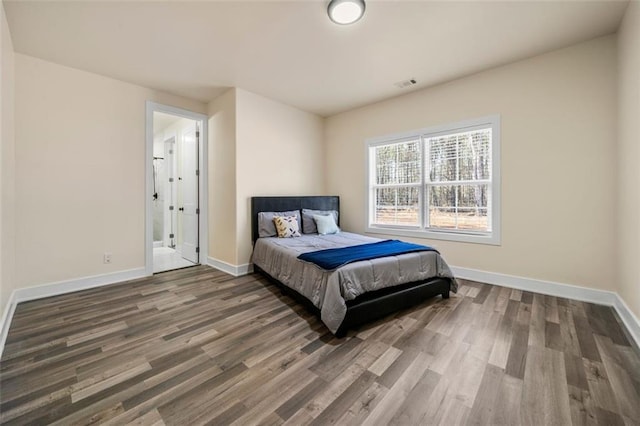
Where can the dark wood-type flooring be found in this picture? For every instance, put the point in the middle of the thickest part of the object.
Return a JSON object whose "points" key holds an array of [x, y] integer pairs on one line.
{"points": [[197, 346]]}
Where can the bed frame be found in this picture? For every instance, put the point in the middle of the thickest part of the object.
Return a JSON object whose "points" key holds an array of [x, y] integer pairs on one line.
{"points": [[366, 307]]}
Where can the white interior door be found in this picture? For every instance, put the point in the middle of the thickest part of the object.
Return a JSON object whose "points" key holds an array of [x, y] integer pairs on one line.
{"points": [[170, 192], [189, 185]]}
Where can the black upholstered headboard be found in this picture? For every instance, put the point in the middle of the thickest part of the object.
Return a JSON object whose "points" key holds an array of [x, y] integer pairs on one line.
{"points": [[281, 204]]}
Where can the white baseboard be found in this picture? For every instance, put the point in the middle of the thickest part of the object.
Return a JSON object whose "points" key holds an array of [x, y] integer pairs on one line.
{"points": [[6, 321], [69, 286], [628, 318], [550, 288], [60, 287], [568, 291], [158, 244], [235, 270]]}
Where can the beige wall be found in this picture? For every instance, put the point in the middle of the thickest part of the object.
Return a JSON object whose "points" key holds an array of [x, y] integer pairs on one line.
{"points": [[258, 146], [222, 178], [559, 130], [7, 164], [80, 171], [279, 152], [628, 219]]}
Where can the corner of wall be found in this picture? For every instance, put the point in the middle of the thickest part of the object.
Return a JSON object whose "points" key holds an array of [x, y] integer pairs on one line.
{"points": [[7, 165], [222, 112], [628, 153]]}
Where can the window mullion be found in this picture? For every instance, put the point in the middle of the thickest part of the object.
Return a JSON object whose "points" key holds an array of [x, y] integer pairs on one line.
{"points": [[426, 165], [457, 191], [457, 188], [395, 205]]}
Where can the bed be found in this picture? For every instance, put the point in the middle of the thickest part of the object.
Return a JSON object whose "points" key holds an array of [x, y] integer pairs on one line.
{"points": [[352, 294]]}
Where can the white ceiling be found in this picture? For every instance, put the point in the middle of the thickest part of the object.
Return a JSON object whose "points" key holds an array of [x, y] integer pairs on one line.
{"points": [[291, 51]]}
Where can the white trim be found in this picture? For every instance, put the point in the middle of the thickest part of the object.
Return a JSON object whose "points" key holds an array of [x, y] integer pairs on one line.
{"points": [[158, 244], [235, 270], [203, 201], [148, 174], [6, 321], [568, 291], [628, 318], [78, 284], [433, 235], [550, 288], [61, 287]]}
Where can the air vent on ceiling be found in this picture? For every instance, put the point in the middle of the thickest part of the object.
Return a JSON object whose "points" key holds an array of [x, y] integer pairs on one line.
{"points": [[405, 83]]}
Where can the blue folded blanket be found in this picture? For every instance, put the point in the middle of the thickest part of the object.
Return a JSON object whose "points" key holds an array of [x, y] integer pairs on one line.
{"points": [[330, 259]]}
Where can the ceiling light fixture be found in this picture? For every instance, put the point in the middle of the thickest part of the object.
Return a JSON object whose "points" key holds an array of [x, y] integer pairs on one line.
{"points": [[345, 12]]}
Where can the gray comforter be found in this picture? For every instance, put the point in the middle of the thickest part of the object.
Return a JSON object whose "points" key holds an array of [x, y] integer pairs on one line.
{"points": [[329, 290]]}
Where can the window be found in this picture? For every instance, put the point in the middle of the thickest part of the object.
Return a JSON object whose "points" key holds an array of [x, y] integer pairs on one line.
{"points": [[440, 183]]}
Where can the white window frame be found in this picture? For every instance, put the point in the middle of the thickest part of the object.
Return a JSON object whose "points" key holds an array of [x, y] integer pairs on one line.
{"points": [[422, 231]]}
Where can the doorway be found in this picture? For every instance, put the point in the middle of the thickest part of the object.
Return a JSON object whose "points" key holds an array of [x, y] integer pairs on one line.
{"points": [[176, 188]]}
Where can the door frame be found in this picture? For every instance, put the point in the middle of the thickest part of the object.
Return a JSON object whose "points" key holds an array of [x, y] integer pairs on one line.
{"points": [[203, 239]]}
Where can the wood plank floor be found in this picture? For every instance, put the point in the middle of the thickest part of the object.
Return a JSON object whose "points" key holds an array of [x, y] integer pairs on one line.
{"points": [[197, 346]]}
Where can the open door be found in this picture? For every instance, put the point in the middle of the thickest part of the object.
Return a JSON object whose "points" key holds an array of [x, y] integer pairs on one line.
{"points": [[189, 187], [176, 187]]}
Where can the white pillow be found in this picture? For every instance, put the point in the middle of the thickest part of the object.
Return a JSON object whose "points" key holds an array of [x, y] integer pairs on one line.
{"points": [[326, 224], [309, 225]]}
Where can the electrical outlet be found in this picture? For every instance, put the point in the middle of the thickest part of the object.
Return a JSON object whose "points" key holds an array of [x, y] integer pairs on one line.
{"points": [[106, 258]]}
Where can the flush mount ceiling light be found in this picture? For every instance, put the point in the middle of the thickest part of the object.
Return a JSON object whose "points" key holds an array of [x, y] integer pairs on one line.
{"points": [[345, 12]]}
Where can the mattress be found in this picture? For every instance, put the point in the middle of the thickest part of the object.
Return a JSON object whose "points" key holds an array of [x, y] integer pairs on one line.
{"points": [[330, 290]]}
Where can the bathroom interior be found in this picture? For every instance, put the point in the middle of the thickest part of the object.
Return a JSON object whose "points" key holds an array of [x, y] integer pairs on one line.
{"points": [[175, 192]]}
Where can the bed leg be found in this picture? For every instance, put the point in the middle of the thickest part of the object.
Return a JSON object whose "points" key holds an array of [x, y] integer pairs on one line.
{"points": [[341, 332], [445, 295]]}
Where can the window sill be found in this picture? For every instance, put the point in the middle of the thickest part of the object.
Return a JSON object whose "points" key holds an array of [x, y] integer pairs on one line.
{"points": [[493, 239]]}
